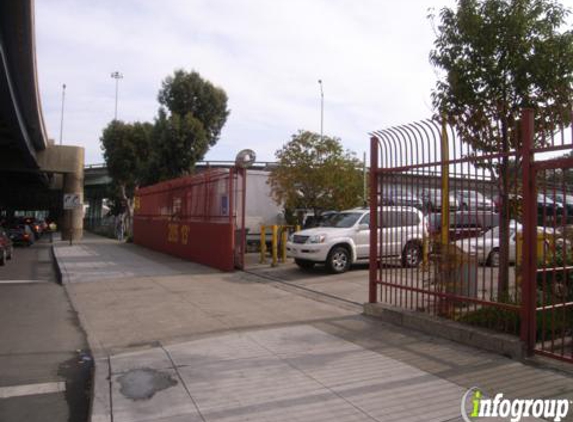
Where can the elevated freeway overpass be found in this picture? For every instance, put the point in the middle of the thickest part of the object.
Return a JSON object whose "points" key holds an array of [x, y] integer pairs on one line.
{"points": [[34, 172]]}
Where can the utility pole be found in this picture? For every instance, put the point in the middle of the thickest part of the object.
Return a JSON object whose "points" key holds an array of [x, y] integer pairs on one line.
{"points": [[117, 76], [62, 121], [321, 109]]}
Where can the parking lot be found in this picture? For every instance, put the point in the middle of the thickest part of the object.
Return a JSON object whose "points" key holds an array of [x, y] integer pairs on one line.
{"points": [[352, 286]]}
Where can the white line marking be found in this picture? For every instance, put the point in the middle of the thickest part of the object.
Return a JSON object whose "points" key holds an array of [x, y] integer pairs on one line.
{"points": [[22, 281], [32, 389]]}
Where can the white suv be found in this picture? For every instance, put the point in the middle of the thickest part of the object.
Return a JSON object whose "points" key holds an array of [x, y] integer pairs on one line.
{"points": [[346, 239]]}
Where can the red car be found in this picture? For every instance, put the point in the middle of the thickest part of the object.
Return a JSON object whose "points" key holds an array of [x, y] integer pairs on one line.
{"points": [[21, 234]]}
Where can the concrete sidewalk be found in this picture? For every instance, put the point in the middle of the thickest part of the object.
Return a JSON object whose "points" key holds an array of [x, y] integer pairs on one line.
{"points": [[176, 341]]}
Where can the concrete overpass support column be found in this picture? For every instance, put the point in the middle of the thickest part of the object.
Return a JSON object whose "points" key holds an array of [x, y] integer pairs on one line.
{"points": [[73, 220], [68, 160]]}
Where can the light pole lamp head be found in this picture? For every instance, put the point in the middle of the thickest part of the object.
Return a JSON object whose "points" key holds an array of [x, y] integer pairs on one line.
{"points": [[116, 75], [245, 158]]}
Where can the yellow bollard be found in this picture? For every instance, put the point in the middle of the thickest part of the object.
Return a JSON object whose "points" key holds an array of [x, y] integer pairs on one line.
{"points": [[263, 245], [284, 237], [275, 245]]}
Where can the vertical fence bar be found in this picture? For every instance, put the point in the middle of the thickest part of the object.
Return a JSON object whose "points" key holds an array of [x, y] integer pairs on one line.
{"points": [[243, 218], [284, 238], [445, 187], [275, 246], [263, 245], [231, 208], [373, 219], [529, 251]]}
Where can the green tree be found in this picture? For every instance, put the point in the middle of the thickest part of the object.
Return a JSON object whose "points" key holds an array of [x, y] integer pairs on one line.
{"points": [[191, 115], [317, 174], [497, 57], [126, 149], [178, 143]]}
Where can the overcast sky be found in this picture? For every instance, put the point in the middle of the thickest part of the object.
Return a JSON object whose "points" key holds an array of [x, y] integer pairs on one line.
{"points": [[372, 56]]}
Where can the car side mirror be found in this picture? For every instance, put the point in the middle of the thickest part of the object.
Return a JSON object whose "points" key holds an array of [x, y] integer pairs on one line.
{"points": [[362, 227]]}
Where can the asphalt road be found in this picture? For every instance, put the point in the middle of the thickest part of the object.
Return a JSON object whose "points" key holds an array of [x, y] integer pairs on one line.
{"points": [[45, 370]]}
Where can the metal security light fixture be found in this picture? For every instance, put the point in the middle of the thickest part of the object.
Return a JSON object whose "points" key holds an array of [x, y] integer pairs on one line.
{"points": [[245, 158], [117, 76]]}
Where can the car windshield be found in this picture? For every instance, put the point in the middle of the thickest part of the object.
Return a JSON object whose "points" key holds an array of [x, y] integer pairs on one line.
{"points": [[343, 220]]}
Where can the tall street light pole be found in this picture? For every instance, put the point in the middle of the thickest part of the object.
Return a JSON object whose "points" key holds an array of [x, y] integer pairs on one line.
{"points": [[321, 108], [62, 121], [117, 76]]}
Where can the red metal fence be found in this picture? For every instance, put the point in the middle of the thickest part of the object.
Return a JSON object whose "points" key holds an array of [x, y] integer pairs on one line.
{"points": [[199, 218], [477, 236]]}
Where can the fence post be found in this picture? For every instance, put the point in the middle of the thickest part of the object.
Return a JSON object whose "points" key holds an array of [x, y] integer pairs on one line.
{"points": [[231, 208], [373, 219], [243, 219], [445, 210], [529, 250], [284, 238], [263, 245], [275, 245]]}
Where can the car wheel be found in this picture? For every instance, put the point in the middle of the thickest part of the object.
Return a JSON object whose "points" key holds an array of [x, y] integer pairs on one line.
{"points": [[493, 258], [304, 264], [3, 257], [411, 255], [338, 260]]}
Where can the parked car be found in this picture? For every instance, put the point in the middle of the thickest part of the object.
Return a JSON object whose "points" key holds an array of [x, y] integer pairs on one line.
{"points": [[473, 201], [21, 234], [549, 212], [432, 201], [34, 225], [6, 247], [346, 239], [486, 247], [566, 201], [312, 221], [406, 199], [463, 224]]}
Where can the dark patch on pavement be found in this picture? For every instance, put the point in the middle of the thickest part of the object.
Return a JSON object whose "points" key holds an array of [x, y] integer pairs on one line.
{"points": [[78, 372], [143, 383]]}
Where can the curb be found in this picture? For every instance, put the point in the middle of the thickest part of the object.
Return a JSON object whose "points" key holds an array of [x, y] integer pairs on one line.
{"points": [[100, 400], [481, 338], [62, 276]]}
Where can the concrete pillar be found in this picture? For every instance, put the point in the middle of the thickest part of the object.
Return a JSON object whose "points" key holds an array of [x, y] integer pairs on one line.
{"points": [[73, 220], [69, 161]]}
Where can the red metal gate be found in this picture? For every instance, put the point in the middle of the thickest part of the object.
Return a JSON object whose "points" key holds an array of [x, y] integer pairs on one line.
{"points": [[459, 266], [199, 218], [548, 215]]}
